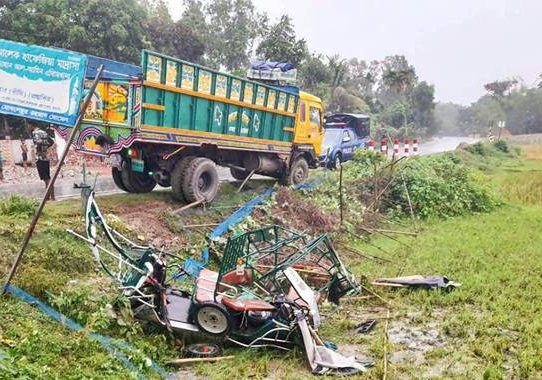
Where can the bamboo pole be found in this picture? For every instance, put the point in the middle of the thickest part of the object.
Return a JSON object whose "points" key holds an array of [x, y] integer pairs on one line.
{"points": [[392, 231], [385, 374], [249, 176], [199, 360], [341, 191], [190, 205], [51, 183]]}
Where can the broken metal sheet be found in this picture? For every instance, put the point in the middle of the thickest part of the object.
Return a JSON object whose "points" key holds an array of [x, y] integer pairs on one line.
{"points": [[418, 281], [322, 359]]}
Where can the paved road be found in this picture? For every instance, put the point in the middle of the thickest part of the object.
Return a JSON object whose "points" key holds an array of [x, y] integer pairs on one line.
{"points": [[104, 184], [65, 188], [444, 144]]}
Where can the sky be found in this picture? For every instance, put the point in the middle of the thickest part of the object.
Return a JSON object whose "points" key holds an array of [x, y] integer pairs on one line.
{"points": [[457, 45]]}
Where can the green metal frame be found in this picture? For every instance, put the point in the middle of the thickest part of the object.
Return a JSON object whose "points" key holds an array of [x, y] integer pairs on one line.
{"points": [[268, 251]]}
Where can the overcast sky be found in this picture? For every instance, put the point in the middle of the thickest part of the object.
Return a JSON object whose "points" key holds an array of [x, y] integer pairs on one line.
{"points": [[458, 45]]}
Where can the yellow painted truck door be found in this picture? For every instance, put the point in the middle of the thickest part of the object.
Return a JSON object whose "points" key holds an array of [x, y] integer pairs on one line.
{"points": [[308, 128]]}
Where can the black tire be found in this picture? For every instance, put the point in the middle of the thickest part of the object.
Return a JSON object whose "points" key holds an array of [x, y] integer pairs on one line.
{"points": [[298, 173], [136, 182], [203, 350], [213, 318], [177, 176], [239, 175], [200, 180], [117, 178], [336, 163]]}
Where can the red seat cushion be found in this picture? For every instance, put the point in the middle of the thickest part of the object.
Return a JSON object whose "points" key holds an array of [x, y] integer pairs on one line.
{"points": [[236, 278], [247, 305]]}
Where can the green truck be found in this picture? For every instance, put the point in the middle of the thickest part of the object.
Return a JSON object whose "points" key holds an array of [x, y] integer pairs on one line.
{"points": [[171, 122]]}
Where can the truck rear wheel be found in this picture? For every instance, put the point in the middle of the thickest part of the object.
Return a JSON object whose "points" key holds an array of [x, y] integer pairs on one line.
{"points": [[200, 180], [177, 176], [239, 175], [136, 182], [298, 173], [117, 178]]}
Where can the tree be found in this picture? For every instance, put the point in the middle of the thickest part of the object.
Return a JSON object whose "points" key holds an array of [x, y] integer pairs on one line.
{"points": [[112, 29], [500, 88], [422, 104], [281, 44], [398, 77], [234, 27], [342, 101], [314, 75], [176, 39]]}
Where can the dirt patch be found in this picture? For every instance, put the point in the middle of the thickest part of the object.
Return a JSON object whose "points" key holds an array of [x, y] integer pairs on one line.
{"points": [[147, 222], [293, 210]]}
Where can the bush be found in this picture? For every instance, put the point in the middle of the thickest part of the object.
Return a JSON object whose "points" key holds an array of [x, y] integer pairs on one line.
{"points": [[440, 186], [16, 205], [502, 146], [477, 148]]}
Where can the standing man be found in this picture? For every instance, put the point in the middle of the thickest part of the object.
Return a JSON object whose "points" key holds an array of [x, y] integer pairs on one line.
{"points": [[24, 151], [43, 142]]}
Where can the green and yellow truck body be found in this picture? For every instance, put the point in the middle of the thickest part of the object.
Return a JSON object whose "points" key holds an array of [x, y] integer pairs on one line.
{"points": [[152, 117]]}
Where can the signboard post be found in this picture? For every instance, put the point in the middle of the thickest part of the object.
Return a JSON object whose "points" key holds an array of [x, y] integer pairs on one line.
{"points": [[43, 84]]}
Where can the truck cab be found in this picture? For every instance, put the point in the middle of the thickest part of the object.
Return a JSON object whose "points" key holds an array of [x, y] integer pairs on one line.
{"points": [[343, 135], [309, 124]]}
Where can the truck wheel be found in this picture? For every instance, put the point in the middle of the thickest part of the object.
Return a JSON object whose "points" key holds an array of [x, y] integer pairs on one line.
{"points": [[200, 180], [299, 172], [117, 178], [177, 176], [136, 182], [239, 175]]}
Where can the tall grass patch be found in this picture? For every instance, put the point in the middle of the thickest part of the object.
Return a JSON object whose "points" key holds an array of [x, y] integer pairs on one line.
{"points": [[523, 188]]}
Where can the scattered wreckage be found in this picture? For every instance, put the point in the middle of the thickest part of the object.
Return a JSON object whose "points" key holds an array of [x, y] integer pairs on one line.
{"points": [[265, 292]]}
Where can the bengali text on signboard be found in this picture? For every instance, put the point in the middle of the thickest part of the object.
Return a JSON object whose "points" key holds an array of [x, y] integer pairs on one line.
{"points": [[41, 83]]}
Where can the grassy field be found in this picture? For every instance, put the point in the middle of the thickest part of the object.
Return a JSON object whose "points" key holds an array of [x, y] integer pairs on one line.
{"points": [[488, 328]]}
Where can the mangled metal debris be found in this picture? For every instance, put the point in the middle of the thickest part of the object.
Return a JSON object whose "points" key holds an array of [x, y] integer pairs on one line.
{"points": [[265, 292], [418, 282]]}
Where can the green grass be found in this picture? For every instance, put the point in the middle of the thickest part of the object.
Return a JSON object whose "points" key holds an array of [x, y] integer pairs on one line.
{"points": [[494, 318], [491, 327]]}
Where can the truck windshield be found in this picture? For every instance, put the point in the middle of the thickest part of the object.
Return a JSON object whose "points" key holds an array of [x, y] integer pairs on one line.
{"points": [[331, 136]]}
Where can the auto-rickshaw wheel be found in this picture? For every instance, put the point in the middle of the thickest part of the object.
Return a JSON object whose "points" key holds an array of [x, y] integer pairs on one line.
{"points": [[203, 350], [213, 318]]}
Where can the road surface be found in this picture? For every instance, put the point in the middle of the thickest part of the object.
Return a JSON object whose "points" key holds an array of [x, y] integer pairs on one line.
{"points": [[444, 144], [104, 184]]}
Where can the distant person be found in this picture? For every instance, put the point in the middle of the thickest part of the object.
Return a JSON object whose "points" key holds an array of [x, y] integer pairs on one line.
{"points": [[24, 151], [42, 142]]}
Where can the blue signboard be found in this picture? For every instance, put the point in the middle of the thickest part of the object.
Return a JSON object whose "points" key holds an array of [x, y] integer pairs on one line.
{"points": [[41, 83]]}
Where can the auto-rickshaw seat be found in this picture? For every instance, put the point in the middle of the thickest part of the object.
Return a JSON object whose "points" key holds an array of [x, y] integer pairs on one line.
{"points": [[206, 285], [247, 304], [246, 277]]}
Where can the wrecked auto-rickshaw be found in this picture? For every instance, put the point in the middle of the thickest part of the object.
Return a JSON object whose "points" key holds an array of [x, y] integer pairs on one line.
{"points": [[265, 293]]}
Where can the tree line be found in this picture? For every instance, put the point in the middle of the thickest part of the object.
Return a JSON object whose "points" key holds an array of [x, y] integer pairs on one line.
{"points": [[228, 35], [510, 102]]}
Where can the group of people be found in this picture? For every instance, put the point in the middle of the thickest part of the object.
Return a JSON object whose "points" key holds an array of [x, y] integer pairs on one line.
{"points": [[43, 141]]}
